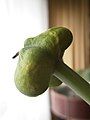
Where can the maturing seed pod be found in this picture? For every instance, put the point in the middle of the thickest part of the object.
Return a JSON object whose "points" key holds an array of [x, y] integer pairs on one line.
{"points": [[55, 40], [38, 59], [33, 72]]}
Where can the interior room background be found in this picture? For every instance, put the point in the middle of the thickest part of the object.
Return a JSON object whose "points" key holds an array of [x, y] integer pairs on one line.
{"points": [[20, 19]]}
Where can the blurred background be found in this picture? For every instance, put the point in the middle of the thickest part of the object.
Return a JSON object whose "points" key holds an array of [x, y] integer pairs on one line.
{"points": [[20, 19], [75, 15]]}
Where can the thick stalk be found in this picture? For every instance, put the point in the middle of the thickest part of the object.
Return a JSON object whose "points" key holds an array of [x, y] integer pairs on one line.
{"points": [[73, 80]]}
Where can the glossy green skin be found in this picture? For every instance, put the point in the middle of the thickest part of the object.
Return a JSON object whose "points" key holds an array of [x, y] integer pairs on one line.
{"points": [[38, 59]]}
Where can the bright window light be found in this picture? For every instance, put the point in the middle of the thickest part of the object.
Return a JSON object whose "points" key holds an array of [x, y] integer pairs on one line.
{"points": [[20, 19]]}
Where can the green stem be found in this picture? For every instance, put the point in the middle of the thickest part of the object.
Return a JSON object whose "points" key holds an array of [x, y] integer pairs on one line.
{"points": [[73, 80]]}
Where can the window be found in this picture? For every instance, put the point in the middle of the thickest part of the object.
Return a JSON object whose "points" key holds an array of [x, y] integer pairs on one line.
{"points": [[19, 19]]}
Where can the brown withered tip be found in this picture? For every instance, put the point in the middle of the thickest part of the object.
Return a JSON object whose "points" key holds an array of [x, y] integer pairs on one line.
{"points": [[15, 55]]}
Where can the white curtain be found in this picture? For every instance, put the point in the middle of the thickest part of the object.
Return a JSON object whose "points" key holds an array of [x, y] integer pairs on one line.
{"points": [[20, 19]]}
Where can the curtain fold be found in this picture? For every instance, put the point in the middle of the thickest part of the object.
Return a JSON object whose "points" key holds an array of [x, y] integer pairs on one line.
{"points": [[75, 15]]}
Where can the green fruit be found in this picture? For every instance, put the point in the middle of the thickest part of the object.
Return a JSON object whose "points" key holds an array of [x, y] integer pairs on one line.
{"points": [[38, 59], [33, 72], [54, 81], [55, 40]]}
